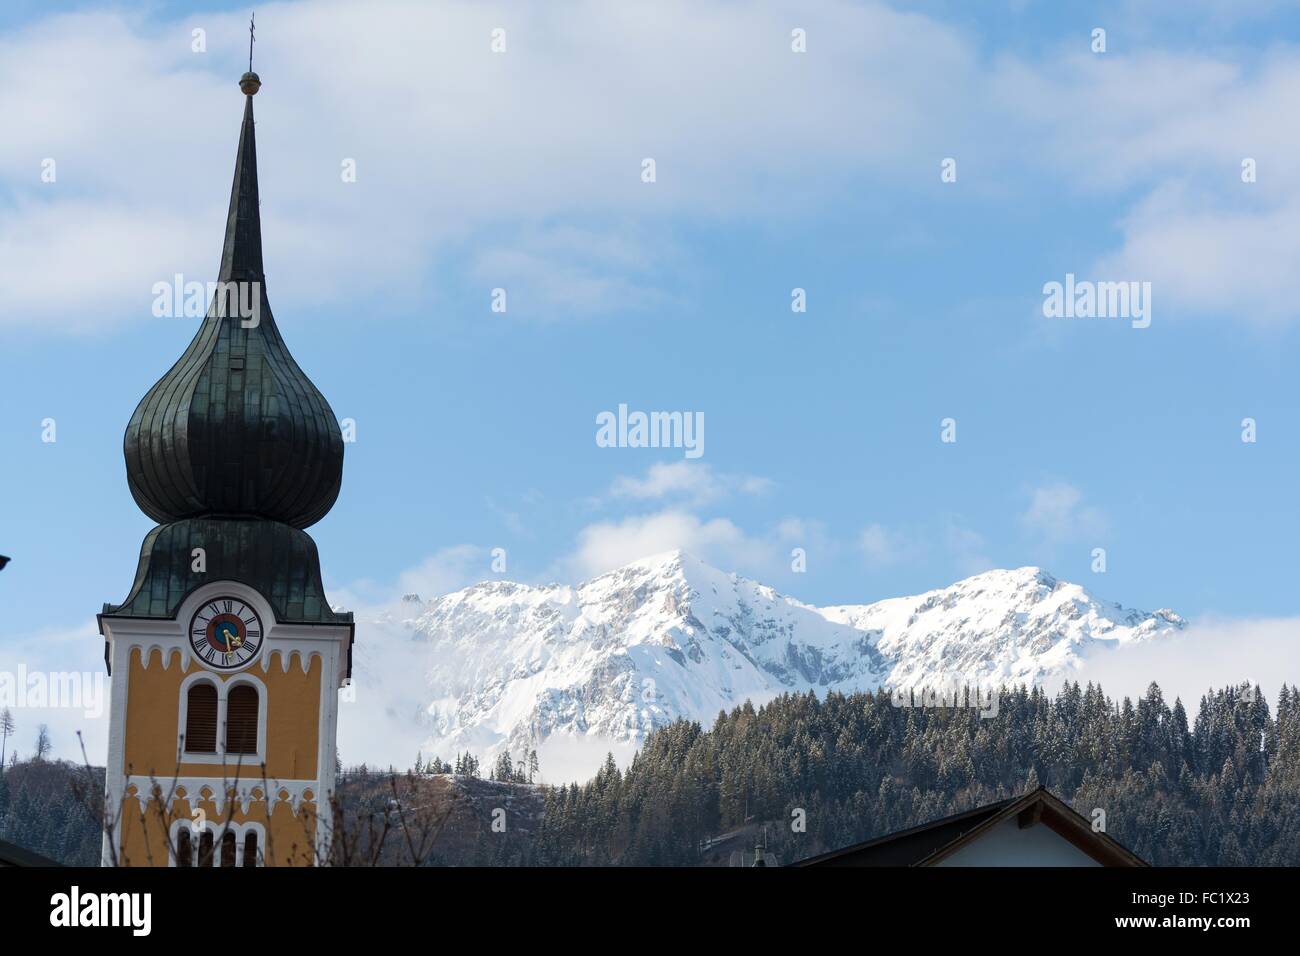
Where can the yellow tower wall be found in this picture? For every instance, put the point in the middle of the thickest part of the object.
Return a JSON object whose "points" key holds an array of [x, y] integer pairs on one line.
{"points": [[293, 696]]}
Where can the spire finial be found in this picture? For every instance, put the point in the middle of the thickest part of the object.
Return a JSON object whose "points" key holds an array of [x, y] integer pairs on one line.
{"points": [[250, 82]]}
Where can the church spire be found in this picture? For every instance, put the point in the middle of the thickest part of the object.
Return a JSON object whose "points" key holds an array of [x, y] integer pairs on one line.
{"points": [[241, 253], [236, 429]]}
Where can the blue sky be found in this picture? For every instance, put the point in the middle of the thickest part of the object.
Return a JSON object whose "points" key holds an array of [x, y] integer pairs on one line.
{"points": [[775, 170]]}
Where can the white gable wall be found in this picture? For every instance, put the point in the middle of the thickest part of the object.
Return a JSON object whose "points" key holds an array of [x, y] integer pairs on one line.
{"points": [[1008, 845]]}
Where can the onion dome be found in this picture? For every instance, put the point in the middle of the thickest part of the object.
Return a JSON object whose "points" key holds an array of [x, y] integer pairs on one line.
{"points": [[234, 451], [236, 429]]}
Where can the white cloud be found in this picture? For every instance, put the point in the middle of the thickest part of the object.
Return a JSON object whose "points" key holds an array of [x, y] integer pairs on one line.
{"points": [[607, 545], [693, 482], [807, 533], [966, 547], [450, 140], [78, 264], [883, 547], [512, 520], [383, 721], [565, 272], [1056, 513], [453, 142], [446, 570], [1207, 256], [1172, 129], [1209, 654]]}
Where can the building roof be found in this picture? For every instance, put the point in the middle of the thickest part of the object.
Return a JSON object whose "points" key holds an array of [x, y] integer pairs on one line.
{"points": [[13, 855], [281, 562], [234, 451], [931, 843], [235, 428]]}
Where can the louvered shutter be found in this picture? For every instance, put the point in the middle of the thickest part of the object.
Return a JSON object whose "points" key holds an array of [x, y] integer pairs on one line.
{"points": [[201, 719], [241, 720]]}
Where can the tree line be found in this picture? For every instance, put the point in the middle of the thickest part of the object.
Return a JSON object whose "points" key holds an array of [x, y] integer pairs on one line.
{"points": [[1222, 788]]}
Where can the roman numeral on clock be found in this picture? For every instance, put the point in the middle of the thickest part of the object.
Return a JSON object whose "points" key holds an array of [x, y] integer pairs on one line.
{"points": [[225, 633]]}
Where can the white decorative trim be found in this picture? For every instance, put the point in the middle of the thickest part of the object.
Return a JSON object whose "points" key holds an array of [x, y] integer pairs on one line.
{"points": [[115, 769], [287, 656], [214, 789], [327, 752], [166, 652]]}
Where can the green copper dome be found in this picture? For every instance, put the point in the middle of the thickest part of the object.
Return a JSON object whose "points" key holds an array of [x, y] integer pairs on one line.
{"points": [[235, 428], [234, 451]]}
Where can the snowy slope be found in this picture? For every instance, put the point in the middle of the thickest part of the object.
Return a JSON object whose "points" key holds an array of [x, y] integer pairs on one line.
{"points": [[1000, 627], [507, 665]]}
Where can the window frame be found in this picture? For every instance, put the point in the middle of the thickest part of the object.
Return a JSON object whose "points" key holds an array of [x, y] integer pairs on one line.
{"points": [[224, 685], [216, 718], [241, 832], [257, 718]]}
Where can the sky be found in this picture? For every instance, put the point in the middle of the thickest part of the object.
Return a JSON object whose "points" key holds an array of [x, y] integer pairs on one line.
{"points": [[829, 170]]}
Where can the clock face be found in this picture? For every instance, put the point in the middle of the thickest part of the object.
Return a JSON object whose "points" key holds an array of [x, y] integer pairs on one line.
{"points": [[226, 633]]}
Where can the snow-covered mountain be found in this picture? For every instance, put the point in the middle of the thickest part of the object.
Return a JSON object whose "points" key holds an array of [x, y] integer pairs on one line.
{"points": [[508, 665]]}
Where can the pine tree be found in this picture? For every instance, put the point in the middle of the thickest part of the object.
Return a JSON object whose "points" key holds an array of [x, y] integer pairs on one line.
{"points": [[7, 727], [43, 745], [504, 769], [858, 767]]}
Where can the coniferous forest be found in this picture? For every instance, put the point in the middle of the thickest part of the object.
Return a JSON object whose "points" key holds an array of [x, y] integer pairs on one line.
{"points": [[1222, 788], [1218, 788]]}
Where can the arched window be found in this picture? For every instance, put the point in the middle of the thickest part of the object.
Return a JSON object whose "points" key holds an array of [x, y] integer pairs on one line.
{"points": [[228, 849], [241, 720], [201, 719], [205, 848], [250, 848], [184, 853]]}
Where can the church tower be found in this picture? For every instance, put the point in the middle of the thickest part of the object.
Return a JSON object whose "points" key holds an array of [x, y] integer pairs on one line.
{"points": [[225, 660]]}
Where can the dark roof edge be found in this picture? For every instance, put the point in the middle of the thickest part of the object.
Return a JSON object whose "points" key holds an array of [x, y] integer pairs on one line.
{"points": [[11, 854], [1062, 819], [1069, 819], [910, 831]]}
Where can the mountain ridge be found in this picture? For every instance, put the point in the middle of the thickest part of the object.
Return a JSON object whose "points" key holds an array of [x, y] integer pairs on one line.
{"points": [[504, 665]]}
